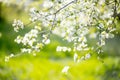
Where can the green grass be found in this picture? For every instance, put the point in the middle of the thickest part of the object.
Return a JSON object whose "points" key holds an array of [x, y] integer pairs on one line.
{"points": [[27, 67]]}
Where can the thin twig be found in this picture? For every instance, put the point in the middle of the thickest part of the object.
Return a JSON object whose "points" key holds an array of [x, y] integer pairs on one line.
{"points": [[110, 3], [55, 14], [53, 22], [44, 31], [64, 6]]}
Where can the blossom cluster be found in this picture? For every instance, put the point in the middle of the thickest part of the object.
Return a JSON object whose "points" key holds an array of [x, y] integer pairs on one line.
{"points": [[29, 40], [77, 59], [17, 24], [64, 49], [72, 20], [8, 57], [105, 34], [45, 39]]}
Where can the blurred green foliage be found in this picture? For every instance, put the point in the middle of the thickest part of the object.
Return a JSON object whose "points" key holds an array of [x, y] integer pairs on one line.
{"points": [[27, 67], [47, 64]]}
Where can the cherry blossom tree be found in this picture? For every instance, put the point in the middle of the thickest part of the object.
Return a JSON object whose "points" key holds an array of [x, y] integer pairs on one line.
{"points": [[73, 21]]}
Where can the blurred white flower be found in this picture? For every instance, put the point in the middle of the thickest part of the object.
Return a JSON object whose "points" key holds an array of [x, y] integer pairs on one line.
{"points": [[28, 39], [47, 4], [11, 55], [18, 39], [65, 69], [35, 15], [87, 56], [17, 24], [7, 58], [71, 22], [46, 41], [75, 57], [24, 50], [33, 10], [64, 49], [58, 48]]}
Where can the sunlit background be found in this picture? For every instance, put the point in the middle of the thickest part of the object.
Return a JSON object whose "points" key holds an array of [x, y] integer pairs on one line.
{"points": [[47, 64]]}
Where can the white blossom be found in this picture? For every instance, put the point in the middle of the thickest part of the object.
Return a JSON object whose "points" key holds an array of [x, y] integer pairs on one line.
{"points": [[11, 55], [47, 4], [33, 10], [7, 58], [29, 37], [71, 20], [65, 69], [24, 50], [75, 57], [64, 49], [18, 39], [17, 24], [35, 15], [87, 56], [46, 41]]}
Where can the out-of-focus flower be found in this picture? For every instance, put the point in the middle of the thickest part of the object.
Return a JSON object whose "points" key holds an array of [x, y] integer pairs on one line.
{"points": [[46, 41], [18, 39], [24, 50], [65, 69], [17, 24], [87, 56], [70, 21], [47, 4], [64, 49], [29, 38], [75, 57], [7, 58]]}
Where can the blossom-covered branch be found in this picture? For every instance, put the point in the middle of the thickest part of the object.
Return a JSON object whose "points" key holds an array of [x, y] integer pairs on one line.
{"points": [[76, 21]]}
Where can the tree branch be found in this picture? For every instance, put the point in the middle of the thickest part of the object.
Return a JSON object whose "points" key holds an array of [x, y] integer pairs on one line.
{"points": [[55, 14], [65, 6]]}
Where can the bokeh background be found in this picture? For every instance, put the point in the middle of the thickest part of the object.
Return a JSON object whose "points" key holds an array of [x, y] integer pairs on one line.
{"points": [[48, 63]]}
